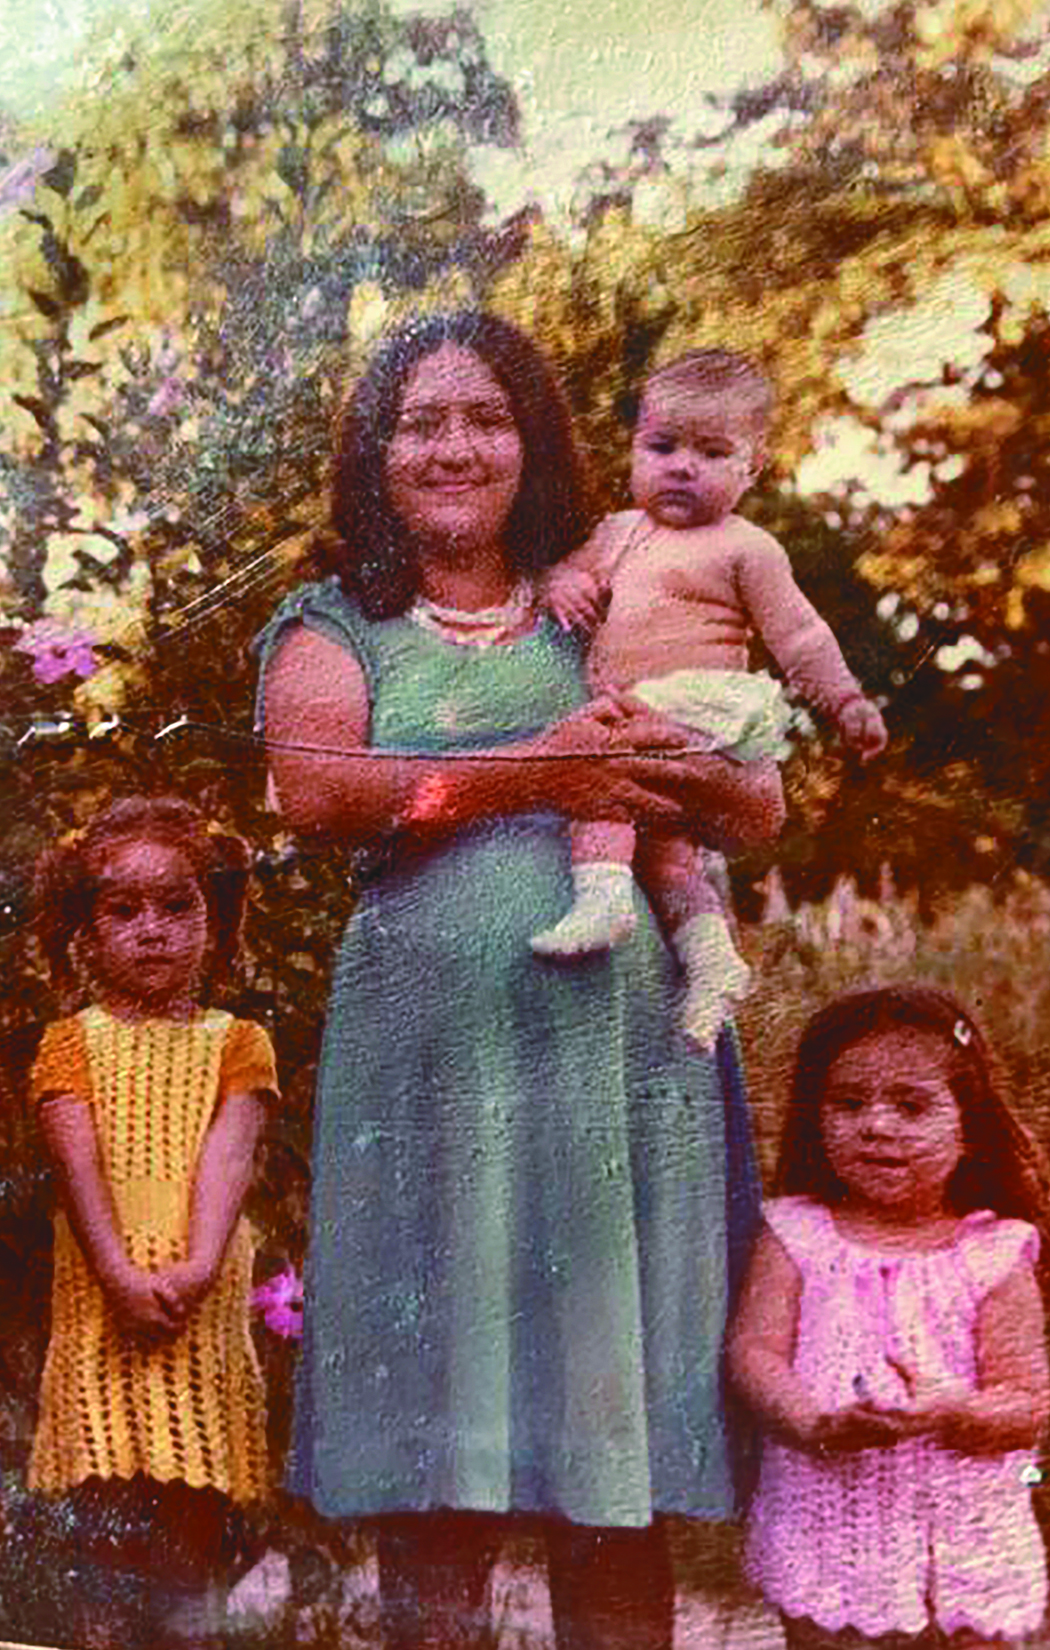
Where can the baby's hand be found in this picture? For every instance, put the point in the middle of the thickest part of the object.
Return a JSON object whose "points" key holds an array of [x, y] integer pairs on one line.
{"points": [[575, 597], [863, 729], [181, 1287]]}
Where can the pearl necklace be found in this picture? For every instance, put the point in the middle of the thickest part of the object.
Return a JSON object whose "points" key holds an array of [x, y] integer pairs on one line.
{"points": [[480, 627]]}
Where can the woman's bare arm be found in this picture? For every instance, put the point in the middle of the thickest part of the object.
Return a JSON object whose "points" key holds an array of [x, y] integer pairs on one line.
{"points": [[585, 766]]}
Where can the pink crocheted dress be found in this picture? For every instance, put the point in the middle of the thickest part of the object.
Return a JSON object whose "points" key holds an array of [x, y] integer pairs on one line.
{"points": [[890, 1540]]}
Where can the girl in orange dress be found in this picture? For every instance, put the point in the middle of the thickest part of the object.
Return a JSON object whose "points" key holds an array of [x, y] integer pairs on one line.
{"points": [[151, 1403]]}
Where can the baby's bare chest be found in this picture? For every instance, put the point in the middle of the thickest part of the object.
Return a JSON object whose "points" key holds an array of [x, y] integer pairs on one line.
{"points": [[664, 575]]}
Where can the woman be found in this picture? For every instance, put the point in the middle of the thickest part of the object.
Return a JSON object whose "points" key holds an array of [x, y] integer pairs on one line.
{"points": [[518, 1270]]}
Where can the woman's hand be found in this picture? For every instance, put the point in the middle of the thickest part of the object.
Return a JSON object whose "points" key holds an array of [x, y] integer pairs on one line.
{"points": [[614, 759], [663, 780]]}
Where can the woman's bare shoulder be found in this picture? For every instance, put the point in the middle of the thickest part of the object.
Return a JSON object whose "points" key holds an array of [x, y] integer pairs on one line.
{"points": [[313, 675]]}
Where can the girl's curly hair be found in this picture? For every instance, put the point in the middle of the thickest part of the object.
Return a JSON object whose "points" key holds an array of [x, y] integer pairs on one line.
{"points": [[1002, 1167], [67, 878]]}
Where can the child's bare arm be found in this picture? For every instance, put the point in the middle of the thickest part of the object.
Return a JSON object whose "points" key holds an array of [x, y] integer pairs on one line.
{"points": [[69, 1131], [762, 1342], [1010, 1408], [224, 1174], [761, 1349], [802, 643]]}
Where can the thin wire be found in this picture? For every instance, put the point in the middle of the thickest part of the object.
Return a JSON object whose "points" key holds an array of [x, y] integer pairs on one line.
{"points": [[60, 728], [488, 754]]}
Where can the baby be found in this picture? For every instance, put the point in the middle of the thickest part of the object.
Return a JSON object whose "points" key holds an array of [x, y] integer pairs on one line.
{"points": [[686, 581]]}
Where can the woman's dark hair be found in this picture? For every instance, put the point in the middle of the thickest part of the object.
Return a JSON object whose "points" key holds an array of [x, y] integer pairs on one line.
{"points": [[67, 878], [373, 554], [1001, 1168]]}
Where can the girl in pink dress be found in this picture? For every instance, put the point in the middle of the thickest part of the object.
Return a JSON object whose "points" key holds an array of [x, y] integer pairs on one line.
{"points": [[891, 1340]]}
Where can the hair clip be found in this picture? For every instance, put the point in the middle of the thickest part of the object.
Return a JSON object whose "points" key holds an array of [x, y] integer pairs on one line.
{"points": [[962, 1033], [214, 828], [72, 838]]}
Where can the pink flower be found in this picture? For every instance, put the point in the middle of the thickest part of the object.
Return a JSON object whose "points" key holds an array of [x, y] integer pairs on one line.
{"points": [[280, 1300], [57, 651], [166, 397], [20, 180]]}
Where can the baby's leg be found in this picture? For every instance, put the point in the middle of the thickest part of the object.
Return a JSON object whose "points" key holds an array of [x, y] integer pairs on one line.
{"points": [[602, 911], [690, 911]]}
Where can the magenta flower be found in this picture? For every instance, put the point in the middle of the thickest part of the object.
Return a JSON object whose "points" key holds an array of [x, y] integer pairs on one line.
{"points": [[280, 1300], [57, 651], [168, 395], [20, 180]]}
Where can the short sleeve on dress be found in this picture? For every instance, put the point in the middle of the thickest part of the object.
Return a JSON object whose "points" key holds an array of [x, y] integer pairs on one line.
{"points": [[248, 1064], [61, 1065], [991, 1248], [324, 608], [801, 1227]]}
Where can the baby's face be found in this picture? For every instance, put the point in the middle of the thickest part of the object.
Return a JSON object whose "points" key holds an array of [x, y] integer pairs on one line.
{"points": [[692, 458]]}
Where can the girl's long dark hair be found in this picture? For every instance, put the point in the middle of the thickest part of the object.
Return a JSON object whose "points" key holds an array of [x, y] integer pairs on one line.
{"points": [[370, 549], [67, 878], [1002, 1168]]}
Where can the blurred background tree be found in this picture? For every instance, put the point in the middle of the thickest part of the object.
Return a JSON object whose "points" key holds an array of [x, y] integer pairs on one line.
{"points": [[887, 260]]}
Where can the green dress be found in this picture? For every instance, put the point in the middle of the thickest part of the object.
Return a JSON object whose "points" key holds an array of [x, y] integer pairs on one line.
{"points": [[521, 1240]]}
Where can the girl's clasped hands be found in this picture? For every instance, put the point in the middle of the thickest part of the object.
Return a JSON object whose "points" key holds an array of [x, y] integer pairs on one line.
{"points": [[158, 1304], [932, 1408]]}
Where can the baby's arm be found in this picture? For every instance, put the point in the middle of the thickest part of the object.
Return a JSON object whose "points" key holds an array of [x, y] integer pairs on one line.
{"points": [[224, 1174], [69, 1131], [761, 1353], [802, 643], [1010, 1408], [575, 589]]}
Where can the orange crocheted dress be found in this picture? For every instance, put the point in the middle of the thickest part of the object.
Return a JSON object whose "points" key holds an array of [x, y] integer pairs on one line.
{"points": [[193, 1408]]}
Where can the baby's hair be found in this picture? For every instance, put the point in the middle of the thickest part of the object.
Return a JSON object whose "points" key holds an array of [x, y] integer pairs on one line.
{"points": [[1002, 1168], [67, 877], [719, 373]]}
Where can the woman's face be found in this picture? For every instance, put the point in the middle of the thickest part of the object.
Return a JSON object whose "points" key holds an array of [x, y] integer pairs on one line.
{"points": [[453, 464]]}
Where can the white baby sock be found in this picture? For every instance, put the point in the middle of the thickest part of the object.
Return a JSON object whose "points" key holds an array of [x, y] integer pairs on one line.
{"points": [[715, 975], [602, 912]]}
